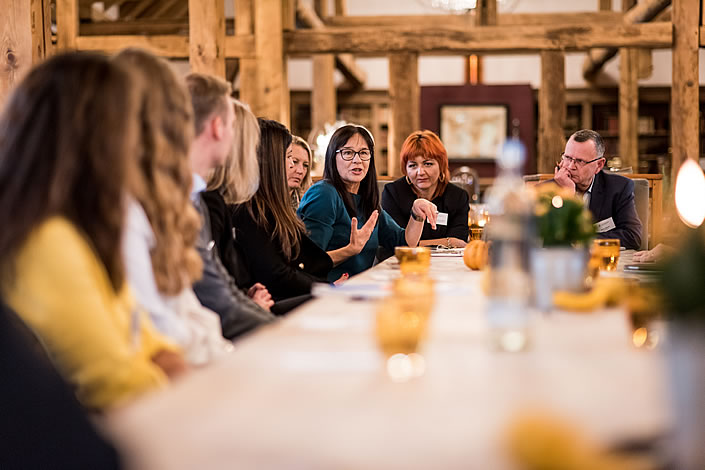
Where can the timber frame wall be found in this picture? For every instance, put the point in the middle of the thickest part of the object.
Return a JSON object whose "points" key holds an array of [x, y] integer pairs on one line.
{"points": [[266, 34]]}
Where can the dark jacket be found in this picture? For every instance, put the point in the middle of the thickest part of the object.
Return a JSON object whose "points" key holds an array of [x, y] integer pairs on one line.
{"points": [[218, 291], [613, 196], [266, 263], [42, 424], [398, 197], [223, 233]]}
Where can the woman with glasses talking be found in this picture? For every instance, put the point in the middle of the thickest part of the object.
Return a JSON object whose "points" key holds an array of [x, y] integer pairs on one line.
{"points": [[342, 212]]}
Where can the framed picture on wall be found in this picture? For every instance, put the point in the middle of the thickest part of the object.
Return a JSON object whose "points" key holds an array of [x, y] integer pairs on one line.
{"points": [[473, 132]]}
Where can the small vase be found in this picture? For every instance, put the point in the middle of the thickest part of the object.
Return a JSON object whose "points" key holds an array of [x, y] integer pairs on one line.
{"points": [[555, 269]]}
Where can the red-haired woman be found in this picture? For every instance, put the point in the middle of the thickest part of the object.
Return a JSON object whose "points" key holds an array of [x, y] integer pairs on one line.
{"points": [[425, 161]]}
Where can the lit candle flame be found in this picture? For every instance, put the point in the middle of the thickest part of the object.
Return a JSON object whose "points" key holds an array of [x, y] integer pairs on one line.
{"points": [[690, 194]]}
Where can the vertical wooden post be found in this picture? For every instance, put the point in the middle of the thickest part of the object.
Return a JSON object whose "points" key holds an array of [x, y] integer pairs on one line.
{"points": [[16, 48], [405, 95], [487, 12], [40, 11], [272, 88], [628, 108], [289, 15], [206, 20], [685, 133], [586, 115], [645, 63], [263, 79], [341, 8], [552, 110], [66, 24], [244, 25], [323, 96], [605, 5]]}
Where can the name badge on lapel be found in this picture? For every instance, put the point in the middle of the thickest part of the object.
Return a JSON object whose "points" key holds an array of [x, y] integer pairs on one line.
{"points": [[605, 225], [442, 218]]}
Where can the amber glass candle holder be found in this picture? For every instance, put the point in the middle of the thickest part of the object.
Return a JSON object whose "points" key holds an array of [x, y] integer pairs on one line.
{"points": [[402, 318], [606, 252], [413, 260]]}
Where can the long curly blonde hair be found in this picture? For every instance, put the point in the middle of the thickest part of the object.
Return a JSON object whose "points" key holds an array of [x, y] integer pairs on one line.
{"points": [[164, 181]]}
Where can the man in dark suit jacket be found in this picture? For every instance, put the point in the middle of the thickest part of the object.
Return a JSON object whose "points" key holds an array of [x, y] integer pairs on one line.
{"points": [[609, 197]]}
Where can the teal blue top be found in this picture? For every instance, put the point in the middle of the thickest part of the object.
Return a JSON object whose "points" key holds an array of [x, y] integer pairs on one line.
{"points": [[328, 223]]}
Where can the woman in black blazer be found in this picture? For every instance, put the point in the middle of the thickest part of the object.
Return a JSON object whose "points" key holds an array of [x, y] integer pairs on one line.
{"points": [[425, 161]]}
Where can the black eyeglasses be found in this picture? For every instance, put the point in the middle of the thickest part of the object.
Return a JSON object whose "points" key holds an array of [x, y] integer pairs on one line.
{"points": [[349, 154], [579, 163]]}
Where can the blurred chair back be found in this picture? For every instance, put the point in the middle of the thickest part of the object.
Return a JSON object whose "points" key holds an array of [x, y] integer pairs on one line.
{"points": [[641, 201], [380, 185], [467, 179]]}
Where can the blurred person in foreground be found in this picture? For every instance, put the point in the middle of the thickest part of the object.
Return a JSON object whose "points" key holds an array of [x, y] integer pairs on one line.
{"points": [[43, 425], [161, 260], [68, 140]]}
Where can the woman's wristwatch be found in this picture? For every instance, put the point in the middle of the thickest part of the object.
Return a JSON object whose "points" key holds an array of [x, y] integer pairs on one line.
{"points": [[416, 217]]}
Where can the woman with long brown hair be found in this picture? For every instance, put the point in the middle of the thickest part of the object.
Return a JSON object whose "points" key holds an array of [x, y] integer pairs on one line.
{"points": [[162, 225], [68, 137], [276, 251]]}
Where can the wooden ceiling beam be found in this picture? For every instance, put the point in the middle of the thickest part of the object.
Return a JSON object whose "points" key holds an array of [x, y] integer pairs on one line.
{"points": [[467, 21], [152, 26], [344, 62], [643, 11], [172, 46], [487, 39]]}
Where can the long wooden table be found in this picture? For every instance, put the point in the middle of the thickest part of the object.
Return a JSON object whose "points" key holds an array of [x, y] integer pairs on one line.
{"points": [[312, 390]]}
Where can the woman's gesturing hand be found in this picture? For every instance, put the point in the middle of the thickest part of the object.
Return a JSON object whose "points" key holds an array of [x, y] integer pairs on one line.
{"points": [[426, 209], [359, 237]]}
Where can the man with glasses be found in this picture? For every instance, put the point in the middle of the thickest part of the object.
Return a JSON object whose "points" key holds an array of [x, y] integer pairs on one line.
{"points": [[609, 197]]}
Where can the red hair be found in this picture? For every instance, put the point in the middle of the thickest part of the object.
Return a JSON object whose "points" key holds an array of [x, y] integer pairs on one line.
{"points": [[426, 144]]}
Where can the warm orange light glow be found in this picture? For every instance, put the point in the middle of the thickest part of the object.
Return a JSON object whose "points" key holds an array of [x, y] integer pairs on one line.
{"points": [[639, 337], [690, 194]]}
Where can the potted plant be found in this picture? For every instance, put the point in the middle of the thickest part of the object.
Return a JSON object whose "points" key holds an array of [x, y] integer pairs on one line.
{"points": [[564, 231]]}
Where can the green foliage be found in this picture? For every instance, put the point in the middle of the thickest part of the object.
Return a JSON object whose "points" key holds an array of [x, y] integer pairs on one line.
{"points": [[561, 219], [683, 280]]}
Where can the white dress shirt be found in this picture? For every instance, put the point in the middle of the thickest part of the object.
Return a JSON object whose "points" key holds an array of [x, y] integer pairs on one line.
{"points": [[181, 317]]}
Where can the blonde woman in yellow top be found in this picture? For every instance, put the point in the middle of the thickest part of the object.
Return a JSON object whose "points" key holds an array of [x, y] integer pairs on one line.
{"points": [[68, 137]]}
